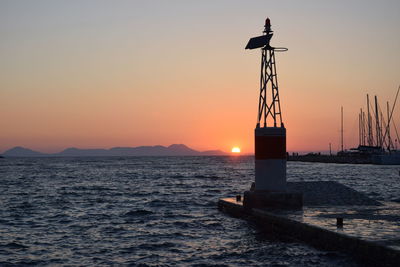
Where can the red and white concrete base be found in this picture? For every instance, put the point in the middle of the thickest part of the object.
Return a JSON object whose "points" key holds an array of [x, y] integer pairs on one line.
{"points": [[270, 172], [270, 159]]}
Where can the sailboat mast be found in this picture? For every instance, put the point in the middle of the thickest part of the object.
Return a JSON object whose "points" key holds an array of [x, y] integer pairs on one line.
{"points": [[363, 127], [370, 141], [381, 130], [390, 117], [388, 127], [341, 128], [360, 128], [364, 131], [377, 127]]}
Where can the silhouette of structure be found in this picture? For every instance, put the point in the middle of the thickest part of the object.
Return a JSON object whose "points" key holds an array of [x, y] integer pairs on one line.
{"points": [[270, 133], [269, 189], [268, 78]]}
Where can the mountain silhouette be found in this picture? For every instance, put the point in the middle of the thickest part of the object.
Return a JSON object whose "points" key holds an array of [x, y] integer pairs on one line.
{"points": [[172, 150], [22, 152]]}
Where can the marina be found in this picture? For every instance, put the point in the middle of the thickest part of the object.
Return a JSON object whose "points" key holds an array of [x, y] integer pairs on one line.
{"points": [[377, 136]]}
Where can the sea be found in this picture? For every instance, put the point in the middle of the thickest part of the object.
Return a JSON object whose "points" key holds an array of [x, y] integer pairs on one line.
{"points": [[155, 211]]}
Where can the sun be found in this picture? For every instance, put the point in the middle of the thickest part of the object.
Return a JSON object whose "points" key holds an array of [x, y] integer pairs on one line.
{"points": [[236, 149]]}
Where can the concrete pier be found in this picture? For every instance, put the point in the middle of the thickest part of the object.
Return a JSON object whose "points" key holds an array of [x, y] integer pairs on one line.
{"points": [[335, 217]]}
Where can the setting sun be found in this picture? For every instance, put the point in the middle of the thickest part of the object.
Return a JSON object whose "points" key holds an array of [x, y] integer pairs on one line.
{"points": [[236, 149]]}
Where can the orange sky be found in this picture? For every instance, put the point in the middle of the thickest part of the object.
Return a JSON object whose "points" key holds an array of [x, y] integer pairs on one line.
{"points": [[102, 74]]}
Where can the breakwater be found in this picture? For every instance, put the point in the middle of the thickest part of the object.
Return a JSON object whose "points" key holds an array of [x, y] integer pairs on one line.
{"points": [[333, 217], [331, 159]]}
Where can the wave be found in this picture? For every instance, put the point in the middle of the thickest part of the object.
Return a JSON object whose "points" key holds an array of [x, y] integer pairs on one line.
{"points": [[138, 213], [13, 245]]}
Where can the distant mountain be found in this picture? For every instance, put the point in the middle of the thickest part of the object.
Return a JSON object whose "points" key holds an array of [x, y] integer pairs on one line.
{"points": [[213, 153], [172, 150], [77, 152], [22, 152]]}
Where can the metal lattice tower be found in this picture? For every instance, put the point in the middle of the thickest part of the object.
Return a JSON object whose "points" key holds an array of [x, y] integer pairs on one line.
{"points": [[269, 79], [269, 104]]}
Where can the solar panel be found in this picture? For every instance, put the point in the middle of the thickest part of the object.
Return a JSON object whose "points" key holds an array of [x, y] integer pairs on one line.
{"points": [[257, 42]]}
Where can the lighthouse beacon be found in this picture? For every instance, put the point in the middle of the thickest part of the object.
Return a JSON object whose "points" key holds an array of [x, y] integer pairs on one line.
{"points": [[270, 134]]}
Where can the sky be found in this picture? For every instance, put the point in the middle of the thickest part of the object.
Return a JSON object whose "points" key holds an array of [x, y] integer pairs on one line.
{"points": [[100, 74]]}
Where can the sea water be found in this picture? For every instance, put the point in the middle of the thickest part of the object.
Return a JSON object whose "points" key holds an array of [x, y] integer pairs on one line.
{"points": [[155, 211]]}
